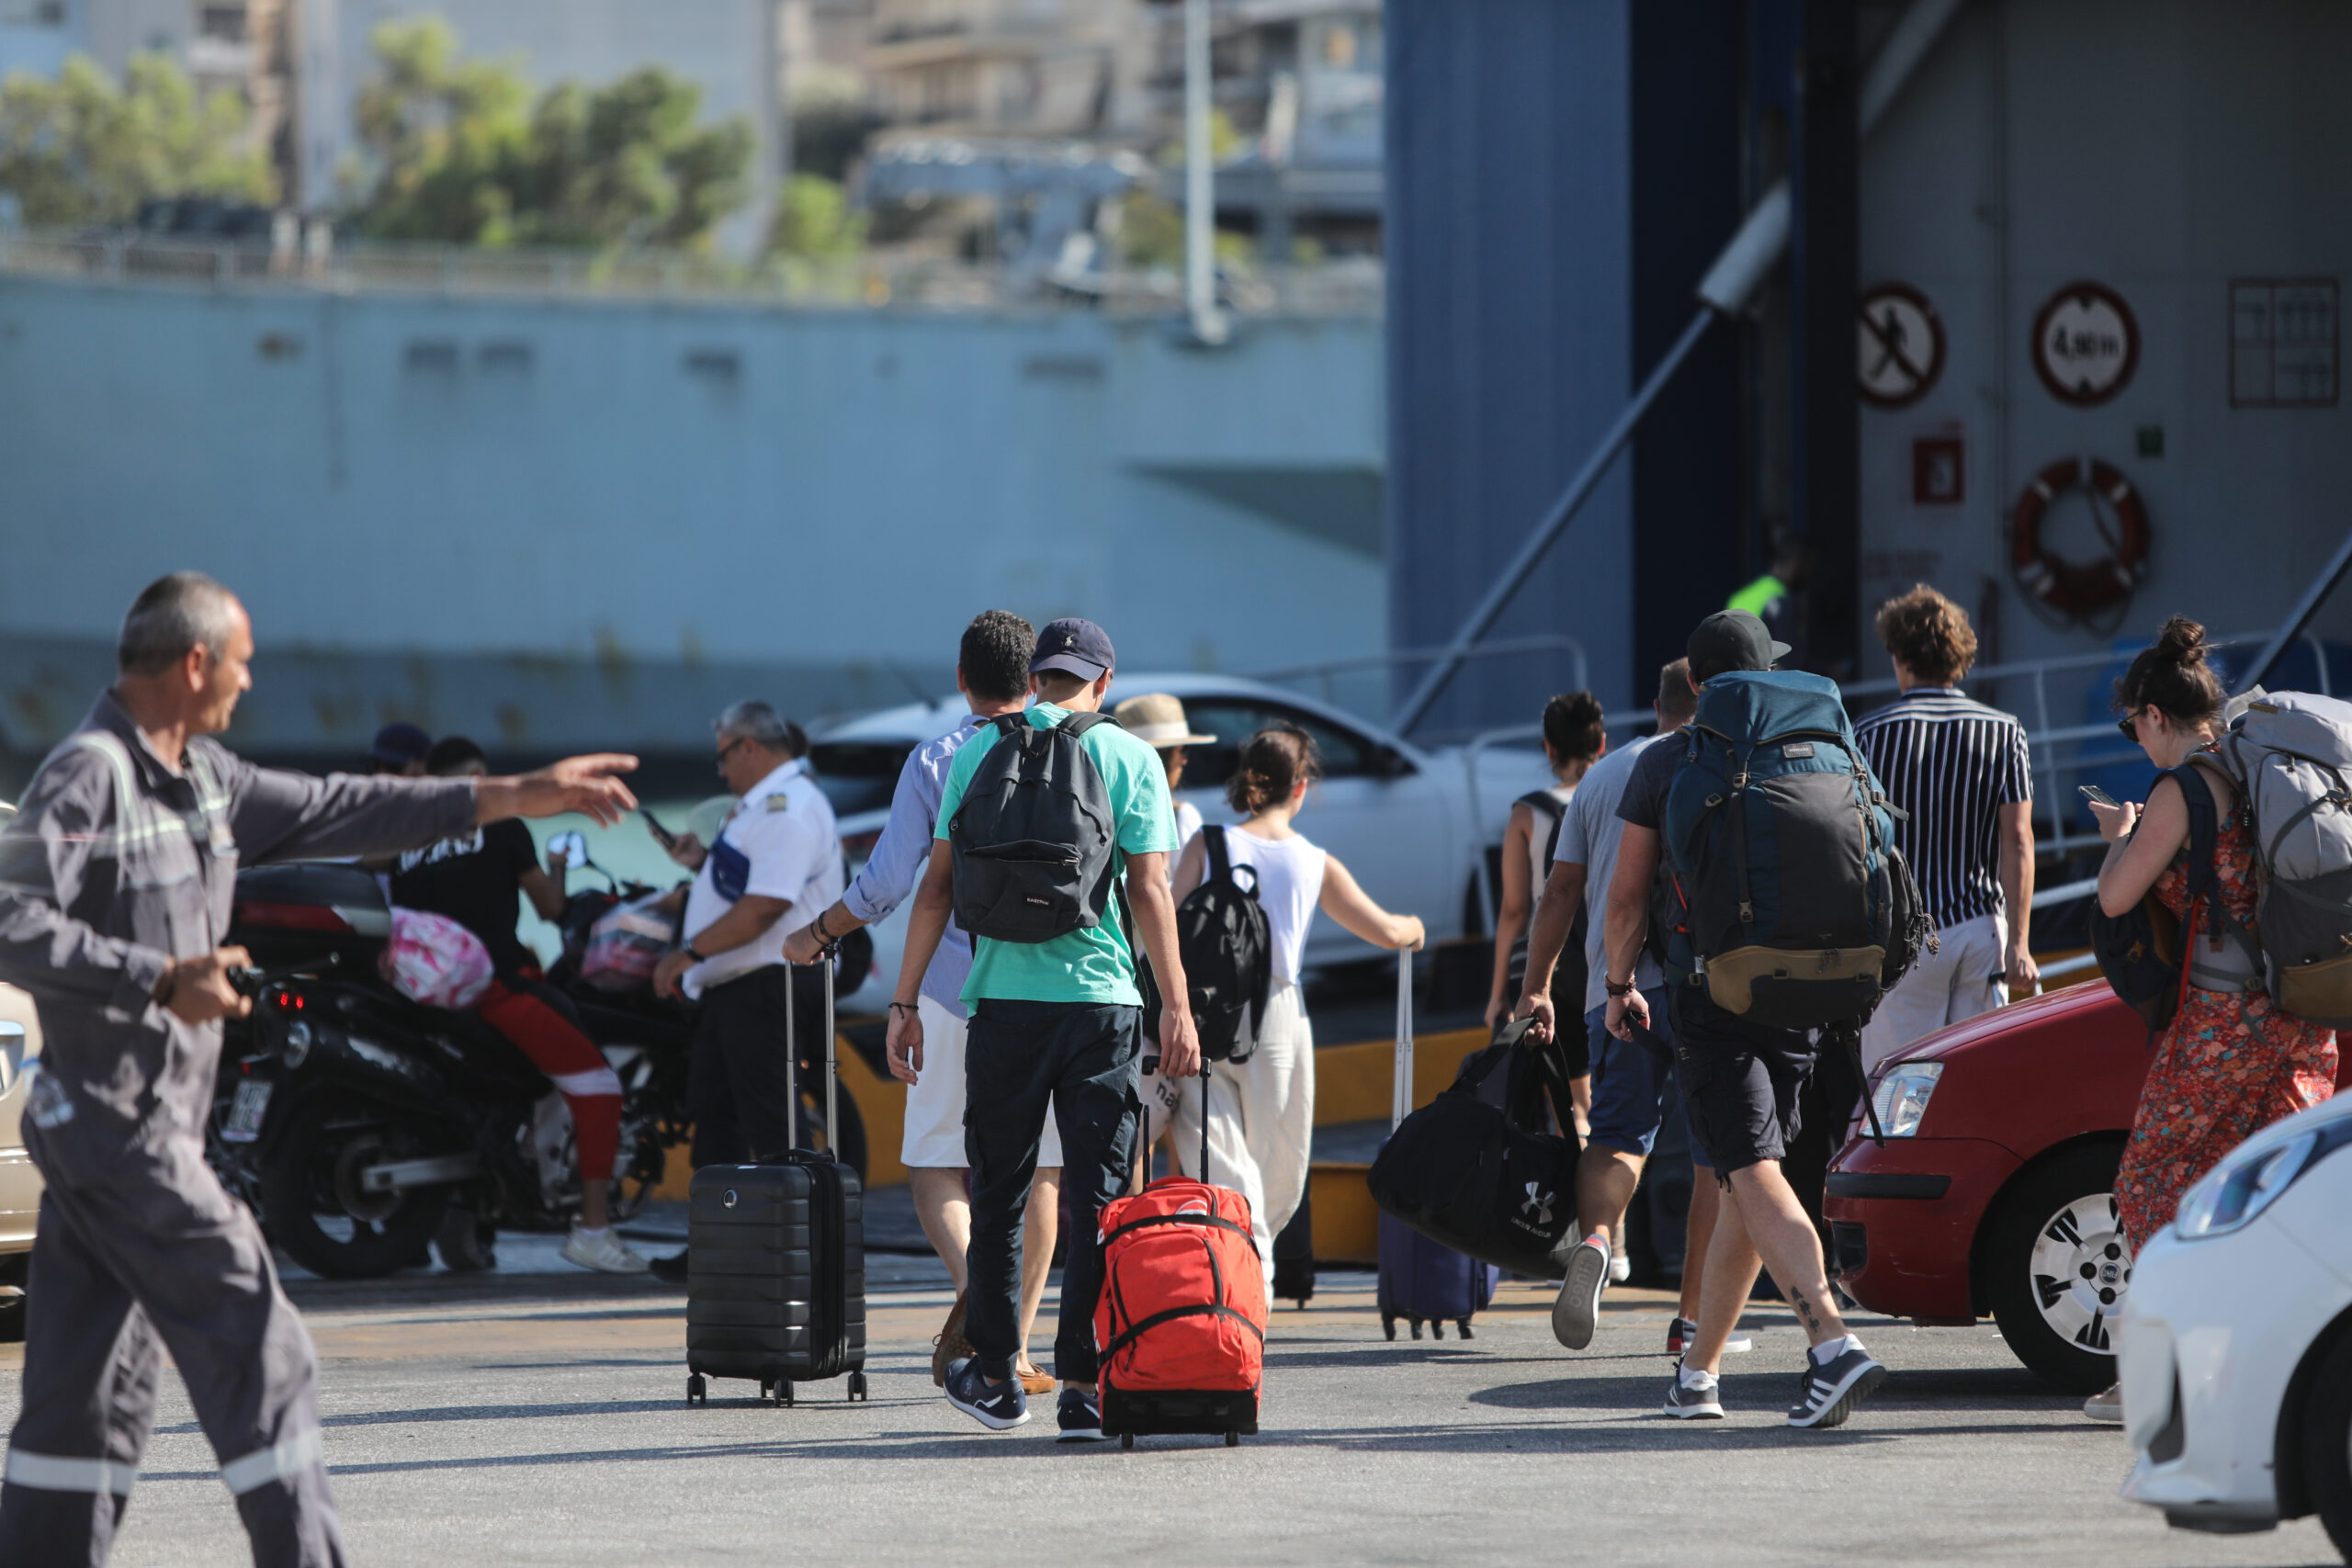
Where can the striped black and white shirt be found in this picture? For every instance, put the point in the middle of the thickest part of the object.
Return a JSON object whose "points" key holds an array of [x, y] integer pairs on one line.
{"points": [[1951, 763]]}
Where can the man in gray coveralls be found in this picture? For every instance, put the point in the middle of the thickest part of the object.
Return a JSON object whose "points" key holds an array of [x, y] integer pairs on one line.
{"points": [[115, 881]]}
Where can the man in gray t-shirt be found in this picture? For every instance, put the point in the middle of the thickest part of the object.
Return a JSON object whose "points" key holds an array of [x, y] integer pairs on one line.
{"points": [[1588, 836], [1630, 1085]]}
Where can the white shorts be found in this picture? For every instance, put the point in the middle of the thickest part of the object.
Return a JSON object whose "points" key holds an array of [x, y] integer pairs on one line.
{"points": [[935, 1137]]}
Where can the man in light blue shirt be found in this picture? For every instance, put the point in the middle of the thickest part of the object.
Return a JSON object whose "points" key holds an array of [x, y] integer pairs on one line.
{"points": [[992, 672]]}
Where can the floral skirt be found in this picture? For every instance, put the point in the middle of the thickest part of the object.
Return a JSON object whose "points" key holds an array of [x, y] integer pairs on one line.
{"points": [[2229, 1065]]}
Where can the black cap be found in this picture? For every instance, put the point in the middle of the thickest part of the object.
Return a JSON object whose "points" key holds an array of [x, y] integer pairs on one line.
{"points": [[1082, 647], [1732, 639], [401, 743]]}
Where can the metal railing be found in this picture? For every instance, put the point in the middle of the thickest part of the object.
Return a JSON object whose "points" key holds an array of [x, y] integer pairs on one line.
{"points": [[1324, 672], [306, 257], [2059, 754]]}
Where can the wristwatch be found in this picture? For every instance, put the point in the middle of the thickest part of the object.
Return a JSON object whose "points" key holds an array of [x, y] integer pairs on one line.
{"points": [[688, 949], [1614, 989]]}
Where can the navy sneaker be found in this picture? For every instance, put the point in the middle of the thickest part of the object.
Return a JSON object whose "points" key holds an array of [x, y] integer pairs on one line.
{"points": [[1081, 1417], [1700, 1401], [993, 1405], [1577, 1311], [1679, 1334], [1827, 1395]]}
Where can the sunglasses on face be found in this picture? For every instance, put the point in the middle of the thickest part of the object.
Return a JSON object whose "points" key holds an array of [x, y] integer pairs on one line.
{"points": [[2130, 725], [728, 749]]}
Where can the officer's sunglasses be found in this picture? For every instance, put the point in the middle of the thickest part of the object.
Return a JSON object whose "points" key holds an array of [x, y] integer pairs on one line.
{"points": [[728, 749]]}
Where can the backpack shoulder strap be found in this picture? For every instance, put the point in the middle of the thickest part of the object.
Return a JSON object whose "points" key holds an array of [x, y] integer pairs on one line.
{"points": [[1080, 723], [1220, 855]]}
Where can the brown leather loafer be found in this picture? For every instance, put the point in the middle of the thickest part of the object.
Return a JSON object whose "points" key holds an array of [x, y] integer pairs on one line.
{"points": [[950, 1346], [1034, 1383]]}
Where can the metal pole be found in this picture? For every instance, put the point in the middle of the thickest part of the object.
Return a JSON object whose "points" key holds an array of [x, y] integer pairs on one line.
{"points": [[2297, 619], [1200, 181], [1588, 477]]}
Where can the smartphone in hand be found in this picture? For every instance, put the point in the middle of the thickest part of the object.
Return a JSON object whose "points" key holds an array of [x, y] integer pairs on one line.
{"points": [[662, 835], [2099, 796]]}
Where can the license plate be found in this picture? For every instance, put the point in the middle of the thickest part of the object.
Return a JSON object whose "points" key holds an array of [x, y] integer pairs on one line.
{"points": [[245, 1112]]}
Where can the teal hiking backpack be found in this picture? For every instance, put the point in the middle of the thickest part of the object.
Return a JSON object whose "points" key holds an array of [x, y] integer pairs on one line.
{"points": [[1790, 903]]}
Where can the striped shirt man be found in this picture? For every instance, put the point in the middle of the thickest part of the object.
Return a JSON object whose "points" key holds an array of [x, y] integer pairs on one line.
{"points": [[1953, 764]]}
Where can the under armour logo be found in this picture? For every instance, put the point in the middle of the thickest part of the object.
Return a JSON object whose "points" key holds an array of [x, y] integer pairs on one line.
{"points": [[1539, 1204]]}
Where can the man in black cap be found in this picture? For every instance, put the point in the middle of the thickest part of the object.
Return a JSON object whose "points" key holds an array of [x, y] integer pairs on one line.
{"points": [[1056, 1030], [399, 750], [1741, 1081]]}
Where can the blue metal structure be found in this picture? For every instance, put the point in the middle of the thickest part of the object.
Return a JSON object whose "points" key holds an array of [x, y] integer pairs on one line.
{"points": [[1560, 175]]}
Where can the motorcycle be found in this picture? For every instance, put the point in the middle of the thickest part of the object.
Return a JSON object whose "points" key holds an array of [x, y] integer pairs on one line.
{"points": [[363, 1127]]}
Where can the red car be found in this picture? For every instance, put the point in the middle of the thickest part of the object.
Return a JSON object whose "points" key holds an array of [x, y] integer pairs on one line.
{"points": [[1992, 1192]]}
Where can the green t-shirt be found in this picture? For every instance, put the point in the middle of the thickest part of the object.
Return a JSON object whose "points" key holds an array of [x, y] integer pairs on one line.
{"points": [[1094, 964]]}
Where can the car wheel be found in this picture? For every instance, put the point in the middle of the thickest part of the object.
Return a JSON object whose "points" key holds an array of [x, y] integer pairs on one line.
{"points": [[2327, 1445], [2059, 1269], [315, 1209]]}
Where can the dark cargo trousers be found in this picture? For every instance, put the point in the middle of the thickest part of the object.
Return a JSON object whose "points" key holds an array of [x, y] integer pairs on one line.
{"points": [[1022, 1061], [146, 1254]]}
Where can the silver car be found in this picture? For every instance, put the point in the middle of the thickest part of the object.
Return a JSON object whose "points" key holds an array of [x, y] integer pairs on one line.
{"points": [[1413, 825]]}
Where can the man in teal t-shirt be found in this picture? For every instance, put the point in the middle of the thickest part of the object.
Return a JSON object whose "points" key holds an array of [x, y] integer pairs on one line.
{"points": [[1057, 1028]]}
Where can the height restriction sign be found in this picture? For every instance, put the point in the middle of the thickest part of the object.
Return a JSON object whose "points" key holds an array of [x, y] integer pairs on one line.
{"points": [[2086, 344], [1902, 345]]}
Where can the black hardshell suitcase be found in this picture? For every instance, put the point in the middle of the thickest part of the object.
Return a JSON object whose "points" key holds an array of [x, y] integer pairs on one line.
{"points": [[775, 1286]]}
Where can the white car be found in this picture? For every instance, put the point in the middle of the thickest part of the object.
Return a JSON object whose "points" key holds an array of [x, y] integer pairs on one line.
{"points": [[1412, 825], [2235, 1353]]}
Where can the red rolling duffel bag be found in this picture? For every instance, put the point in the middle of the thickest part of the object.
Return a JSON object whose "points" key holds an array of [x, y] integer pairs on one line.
{"points": [[1181, 1319]]}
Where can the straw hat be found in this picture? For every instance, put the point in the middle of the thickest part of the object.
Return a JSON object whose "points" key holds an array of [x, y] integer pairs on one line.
{"points": [[1157, 719]]}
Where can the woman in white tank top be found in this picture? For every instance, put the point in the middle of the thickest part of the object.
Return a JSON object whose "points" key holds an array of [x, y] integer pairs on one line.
{"points": [[1262, 1110]]}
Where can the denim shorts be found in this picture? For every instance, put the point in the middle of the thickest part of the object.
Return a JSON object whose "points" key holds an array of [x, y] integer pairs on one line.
{"points": [[1631, 1086]]}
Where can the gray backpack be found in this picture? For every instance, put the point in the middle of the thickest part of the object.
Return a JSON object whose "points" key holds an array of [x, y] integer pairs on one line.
{"points": [[2290, 754], [1034, 839]]}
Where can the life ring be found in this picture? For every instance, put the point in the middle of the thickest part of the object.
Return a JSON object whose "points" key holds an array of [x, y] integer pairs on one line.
{"points": [[2071, 587]]}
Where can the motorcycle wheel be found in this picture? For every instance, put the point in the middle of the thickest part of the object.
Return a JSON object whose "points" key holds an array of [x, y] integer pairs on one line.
{"points": [[314, 1208]]}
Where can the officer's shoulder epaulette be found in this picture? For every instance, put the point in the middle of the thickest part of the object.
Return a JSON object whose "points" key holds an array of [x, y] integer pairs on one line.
{"points": [[779, 801]]}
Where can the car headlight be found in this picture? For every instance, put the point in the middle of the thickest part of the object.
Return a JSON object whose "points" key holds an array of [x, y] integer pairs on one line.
{"points": [[1901, 1098], [2230, 1195]]}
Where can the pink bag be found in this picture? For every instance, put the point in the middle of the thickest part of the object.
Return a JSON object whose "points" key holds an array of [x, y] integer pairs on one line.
{"points": [[626, 943], [434, 960]]}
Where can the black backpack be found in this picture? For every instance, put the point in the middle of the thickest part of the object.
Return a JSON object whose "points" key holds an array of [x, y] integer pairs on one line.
{"points": [[1033, 841], [1228, 952]]}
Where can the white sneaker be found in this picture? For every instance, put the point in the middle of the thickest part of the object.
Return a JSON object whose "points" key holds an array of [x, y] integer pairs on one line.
{"points": [[1620, 1269], [603, 1252], [2106, 1407]]}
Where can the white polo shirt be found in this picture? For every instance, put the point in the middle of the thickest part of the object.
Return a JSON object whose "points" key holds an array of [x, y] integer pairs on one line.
{"points": [[778, 842]]}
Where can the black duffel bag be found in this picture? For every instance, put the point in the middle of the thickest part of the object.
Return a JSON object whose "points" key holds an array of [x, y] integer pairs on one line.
{"points": [[1479, 1170]]}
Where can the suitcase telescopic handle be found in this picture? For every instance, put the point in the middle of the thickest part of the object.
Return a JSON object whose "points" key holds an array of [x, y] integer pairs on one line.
{"points": [[832, 1069], [1402, 1091], [791, 1069]]}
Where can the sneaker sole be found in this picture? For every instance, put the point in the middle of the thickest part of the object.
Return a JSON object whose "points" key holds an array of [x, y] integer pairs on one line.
{"points": [[994, 1423], [1577, 1311], [1081, 1435], [1737, 1347], [1851, 1393], [1694, 1412]]}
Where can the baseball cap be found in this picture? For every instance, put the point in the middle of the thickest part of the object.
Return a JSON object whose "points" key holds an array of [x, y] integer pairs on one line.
{"points": [[1081, 647], [1732, 639], [1157, 719], [400, 743]]}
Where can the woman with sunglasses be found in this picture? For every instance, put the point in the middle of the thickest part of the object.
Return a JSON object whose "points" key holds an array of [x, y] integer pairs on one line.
{"points": [[2230, 1063]]}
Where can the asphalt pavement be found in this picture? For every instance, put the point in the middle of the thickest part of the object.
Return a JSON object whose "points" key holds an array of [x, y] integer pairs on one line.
{"points": [[537, 1415]]}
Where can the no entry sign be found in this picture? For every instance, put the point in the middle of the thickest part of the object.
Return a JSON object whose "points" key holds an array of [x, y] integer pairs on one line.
{"points": [[1902, 345], [2085, 344]]}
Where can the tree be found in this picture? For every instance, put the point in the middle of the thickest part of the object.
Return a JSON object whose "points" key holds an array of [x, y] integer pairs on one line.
{"points": [[815, 221], [80, 150], [458, 157]]}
